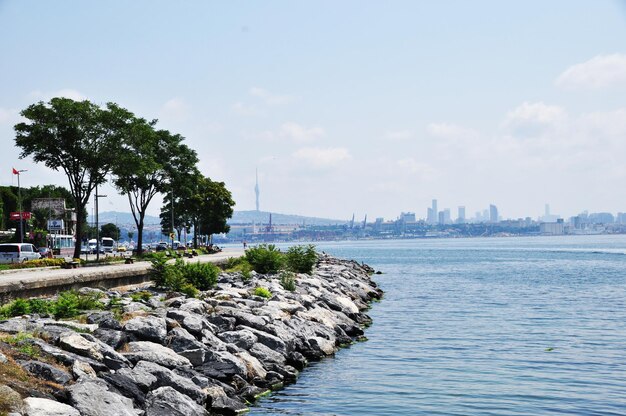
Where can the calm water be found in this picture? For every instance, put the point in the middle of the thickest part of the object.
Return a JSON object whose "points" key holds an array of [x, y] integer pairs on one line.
{"points": [[500, 326]]}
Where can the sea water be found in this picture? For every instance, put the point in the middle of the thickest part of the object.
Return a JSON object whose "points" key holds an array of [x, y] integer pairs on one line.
{"points": [[489, 326]]}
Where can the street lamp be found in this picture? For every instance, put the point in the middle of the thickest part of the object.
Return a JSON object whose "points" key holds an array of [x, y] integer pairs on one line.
{"points": [[172, 209], [19, 200], [96, 196]]}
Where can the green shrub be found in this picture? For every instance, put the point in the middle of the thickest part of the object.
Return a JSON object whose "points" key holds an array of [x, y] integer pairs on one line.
{"points": [[189, 290], [159, 270], [18, 307], [265, 258], [201, 275], [301, 259], [39, 306], [143, 295], [89, 301], [262, 292], [66, 305], [288, 281]]}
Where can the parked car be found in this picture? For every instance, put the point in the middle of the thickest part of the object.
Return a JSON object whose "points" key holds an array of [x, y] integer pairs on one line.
{"points": [[161, 246], [45, 252], [18, 252]]}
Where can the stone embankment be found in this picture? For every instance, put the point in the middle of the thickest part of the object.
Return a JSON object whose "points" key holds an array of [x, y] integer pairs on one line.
{"points": [[161, 355]]}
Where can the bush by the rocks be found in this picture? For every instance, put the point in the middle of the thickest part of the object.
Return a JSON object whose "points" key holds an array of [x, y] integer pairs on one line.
{"points": [[203, 276], [265, 258], [262, 292], [288, 281], [301, 259]]}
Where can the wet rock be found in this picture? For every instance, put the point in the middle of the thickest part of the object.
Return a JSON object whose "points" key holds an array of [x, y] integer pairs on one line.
{"points": [[228, 406], [156, 353], [149, 328], [267, 355], [46, 407], [165, 401]]}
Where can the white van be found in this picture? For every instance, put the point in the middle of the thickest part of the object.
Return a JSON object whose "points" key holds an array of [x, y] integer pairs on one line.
{"points": [[18, 252], [107, 244]]}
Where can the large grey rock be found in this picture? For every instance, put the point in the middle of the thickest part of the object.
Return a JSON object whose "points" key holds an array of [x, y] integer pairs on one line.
{"points": [[46, 372], [242, 338], [45, 407], [142, 378], [196, 306], [253, 365], [156, 353], [267, 355], [150, 328], [228, 406], [67, 358], [113, 338], [179, 339], [94, 398], [126, 387], [269, 340], [73, 342], [166, 377], [192, 322], [165, 401], [3, 358], [113, 359], [17, 325], [104, 319]]}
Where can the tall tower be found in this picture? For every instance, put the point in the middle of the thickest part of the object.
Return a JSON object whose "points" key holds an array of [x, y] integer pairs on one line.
{"points": [[256, 189]]}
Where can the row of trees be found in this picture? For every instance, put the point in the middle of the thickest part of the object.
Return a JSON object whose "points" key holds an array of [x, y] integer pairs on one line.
{"points": [[89, 143]]}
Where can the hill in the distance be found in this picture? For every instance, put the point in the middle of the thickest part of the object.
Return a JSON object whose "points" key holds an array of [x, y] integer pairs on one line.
{"points": [[125, 219]]}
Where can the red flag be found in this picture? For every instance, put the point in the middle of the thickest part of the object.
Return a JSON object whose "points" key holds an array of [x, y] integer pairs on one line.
{"points": [[15, 171]]}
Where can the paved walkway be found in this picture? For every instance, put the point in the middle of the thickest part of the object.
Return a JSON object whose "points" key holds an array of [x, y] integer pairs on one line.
{"points": [[46, 277]]}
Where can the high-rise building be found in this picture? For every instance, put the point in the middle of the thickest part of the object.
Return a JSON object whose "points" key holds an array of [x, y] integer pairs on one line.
{"points": [[493, 213], [446, 216], [432, 213], [461, 217], [442, 217]]}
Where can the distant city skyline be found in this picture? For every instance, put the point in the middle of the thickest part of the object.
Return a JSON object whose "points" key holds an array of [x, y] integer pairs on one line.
{"points": [[351, 107]]}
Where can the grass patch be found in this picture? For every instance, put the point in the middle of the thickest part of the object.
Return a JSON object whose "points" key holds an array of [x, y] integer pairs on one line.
{"points": [[288, 281]]}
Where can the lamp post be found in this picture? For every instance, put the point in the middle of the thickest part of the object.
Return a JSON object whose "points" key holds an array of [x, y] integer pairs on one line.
{"points": [[172, 209], [96, 196], [19, 200]]}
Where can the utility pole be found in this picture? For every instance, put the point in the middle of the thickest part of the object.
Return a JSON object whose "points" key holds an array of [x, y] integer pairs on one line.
{"points": [[19, 200], [172, 233]]}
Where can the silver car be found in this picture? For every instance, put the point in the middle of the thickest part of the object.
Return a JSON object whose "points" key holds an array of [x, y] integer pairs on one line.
{"points": [[18, 252]]}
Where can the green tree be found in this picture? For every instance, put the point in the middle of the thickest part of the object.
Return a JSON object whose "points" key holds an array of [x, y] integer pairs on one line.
{"points": [[77, 137], [110, 230], [149, 162]]}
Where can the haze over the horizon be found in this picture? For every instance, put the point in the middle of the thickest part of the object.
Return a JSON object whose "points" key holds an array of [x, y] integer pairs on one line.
{"points": [[347, 107]]}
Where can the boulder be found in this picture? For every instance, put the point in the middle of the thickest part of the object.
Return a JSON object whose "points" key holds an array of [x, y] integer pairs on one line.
{"points": [[73, 342], [223, 323], [267, 355], [94, 398], [113, 338], [104, 319], [242, 338], [156, 353], [45, 407], [253, 365], [143, 379], [165, 401], [149, 328], [3, 358], [81, 369], [166, 377], [46, 372], [67, 358], [126, 387], [179, 339], [227, 406], [269, 340]]}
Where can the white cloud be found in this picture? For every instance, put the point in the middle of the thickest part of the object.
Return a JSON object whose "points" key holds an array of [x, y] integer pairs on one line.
{"points": [[535, 119], [246, 110], [398, 135], [294, 132], [175, 109], [9, 116], [270, 98], [66, 92], [322, 157], [410, 165], [599, 72], [451, 131]]}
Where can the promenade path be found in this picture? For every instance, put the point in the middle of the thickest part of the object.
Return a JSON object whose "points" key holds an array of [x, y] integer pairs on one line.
{"points": [[45, 281]]}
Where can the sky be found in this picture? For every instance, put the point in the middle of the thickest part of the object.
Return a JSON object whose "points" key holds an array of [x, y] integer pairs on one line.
{"points": [[365, 107]]}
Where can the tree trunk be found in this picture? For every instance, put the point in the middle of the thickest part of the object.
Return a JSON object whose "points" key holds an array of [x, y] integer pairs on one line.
{"points": [[140, 236], [79, 231]]}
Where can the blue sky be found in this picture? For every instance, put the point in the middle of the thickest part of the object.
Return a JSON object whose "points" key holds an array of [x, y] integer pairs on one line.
{"points": [[353, 106]]}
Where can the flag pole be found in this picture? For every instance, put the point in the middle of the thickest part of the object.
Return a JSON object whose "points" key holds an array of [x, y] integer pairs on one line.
{"points": [[19, 200]]}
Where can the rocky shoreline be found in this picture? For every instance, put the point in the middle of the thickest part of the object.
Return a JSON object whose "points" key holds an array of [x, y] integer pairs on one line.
{"points": [[163, 355]]}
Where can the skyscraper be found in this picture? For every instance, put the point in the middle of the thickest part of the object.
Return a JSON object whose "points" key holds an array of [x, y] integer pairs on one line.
{"points": [[461, 217], [256, 189], [432, 213], [493, 213]]}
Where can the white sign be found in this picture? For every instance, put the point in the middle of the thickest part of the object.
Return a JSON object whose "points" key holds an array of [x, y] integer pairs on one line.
{"points": [[55, 225], [56, 205]]}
